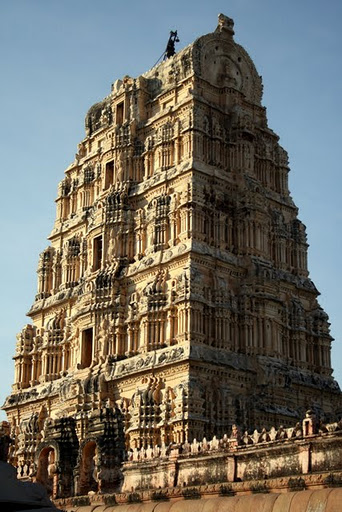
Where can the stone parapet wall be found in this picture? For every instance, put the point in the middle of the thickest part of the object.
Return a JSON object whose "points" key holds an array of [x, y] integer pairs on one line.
{"points": [[307, 448]]}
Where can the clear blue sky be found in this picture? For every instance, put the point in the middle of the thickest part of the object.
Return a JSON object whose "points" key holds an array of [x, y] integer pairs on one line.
{"points": [[57, 58]]}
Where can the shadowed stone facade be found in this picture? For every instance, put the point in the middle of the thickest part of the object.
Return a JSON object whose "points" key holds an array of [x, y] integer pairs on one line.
{"points": [[174, 299]]}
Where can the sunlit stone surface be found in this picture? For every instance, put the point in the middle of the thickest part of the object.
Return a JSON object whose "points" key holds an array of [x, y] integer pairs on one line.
{"points": [[173, 300]]}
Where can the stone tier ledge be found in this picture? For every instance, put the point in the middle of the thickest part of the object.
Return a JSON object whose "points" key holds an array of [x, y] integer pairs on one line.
{"points": [[199, 497]]}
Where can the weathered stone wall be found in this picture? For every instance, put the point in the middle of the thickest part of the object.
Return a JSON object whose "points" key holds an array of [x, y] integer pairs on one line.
{"points": [[258, 457], [326, 454]]}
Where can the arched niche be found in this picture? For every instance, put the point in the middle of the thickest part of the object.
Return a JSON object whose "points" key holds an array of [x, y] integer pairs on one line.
{"points": [[47, 473], [88, 480]]}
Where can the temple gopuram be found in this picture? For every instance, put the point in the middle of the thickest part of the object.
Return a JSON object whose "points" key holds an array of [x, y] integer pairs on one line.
{"points": [[176, 348]]}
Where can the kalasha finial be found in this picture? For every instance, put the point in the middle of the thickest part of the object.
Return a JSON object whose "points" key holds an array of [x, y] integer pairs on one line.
{"points": [[170, 47], [225, 24]]}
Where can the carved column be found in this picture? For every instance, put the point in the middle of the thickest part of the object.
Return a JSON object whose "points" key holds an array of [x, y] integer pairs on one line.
{"points": [[231, 468]]}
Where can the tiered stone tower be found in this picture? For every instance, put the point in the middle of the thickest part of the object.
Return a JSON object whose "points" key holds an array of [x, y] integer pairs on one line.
{"points": [[174, 298]]}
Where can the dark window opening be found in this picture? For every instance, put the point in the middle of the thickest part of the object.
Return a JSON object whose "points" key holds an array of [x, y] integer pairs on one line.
{"points": [[97, 253], [87, 347], [109, 176], [120, 113]]}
